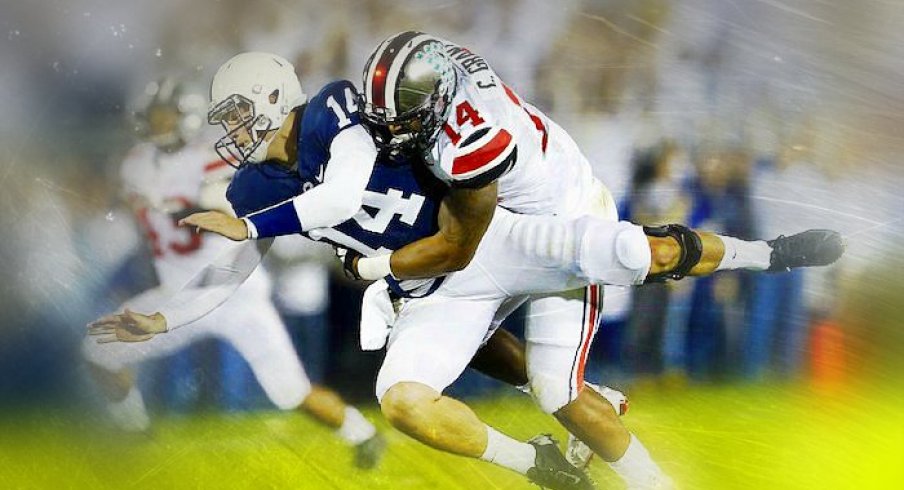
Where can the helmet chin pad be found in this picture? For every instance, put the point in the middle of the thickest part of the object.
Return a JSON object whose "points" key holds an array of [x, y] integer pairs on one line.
{"points": [[259, 153]]}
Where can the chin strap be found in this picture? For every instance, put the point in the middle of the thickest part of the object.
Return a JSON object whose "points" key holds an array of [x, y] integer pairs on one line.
{"points": [[691, 250]]}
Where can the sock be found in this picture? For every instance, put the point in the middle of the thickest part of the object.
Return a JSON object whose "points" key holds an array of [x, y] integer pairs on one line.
{"points": [[355, 428], [130, 414], [741, 254], [509, 453], [638, 470]]}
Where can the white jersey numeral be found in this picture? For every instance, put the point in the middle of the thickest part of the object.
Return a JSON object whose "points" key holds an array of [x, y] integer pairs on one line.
{"points": [[342, 114], [388, 206]]}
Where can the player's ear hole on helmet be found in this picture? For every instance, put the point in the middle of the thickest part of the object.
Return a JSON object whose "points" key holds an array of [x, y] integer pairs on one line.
{"points": [[274, 96]]}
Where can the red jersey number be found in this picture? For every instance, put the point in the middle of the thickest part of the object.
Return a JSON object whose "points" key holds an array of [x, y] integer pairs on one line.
{"points": [[189, 242], [464, 113]]}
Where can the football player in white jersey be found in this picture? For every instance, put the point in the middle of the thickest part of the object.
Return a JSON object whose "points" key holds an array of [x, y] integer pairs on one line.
{"points": [[490, 134], [433, 98], [166, 177]]}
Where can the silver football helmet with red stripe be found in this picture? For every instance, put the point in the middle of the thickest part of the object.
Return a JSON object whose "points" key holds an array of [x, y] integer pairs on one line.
{"points": [[409, 83]]}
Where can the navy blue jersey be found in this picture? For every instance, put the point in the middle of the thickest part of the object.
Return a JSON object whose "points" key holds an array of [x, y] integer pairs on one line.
{"points": [[401, 200]]}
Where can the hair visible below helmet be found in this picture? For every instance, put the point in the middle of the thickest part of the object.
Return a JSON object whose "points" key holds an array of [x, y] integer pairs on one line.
{"points": [[177, 97], [409, 83], [251, 96]]}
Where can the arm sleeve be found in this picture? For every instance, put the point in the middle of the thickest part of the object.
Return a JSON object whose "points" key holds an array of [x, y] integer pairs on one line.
{"points": [[214, 284], [337, 199], [482, 157]]}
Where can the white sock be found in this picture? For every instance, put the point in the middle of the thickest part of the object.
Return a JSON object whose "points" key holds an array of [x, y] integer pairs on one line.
{"points": [[741, 254], [509, 453], [355, 428], [638, 470], [130, 414]]}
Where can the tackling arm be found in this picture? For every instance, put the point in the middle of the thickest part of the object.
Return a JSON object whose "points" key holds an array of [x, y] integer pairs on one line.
{"points": [[464, 216]]}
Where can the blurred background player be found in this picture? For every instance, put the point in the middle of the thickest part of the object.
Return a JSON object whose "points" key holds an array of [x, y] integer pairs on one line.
{"points": [[170, 175]]}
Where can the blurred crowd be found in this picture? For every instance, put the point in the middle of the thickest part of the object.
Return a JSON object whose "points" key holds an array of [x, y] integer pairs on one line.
{"points": [[748, 120]]}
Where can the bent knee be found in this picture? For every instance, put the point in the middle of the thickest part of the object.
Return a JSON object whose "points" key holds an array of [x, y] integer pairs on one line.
{"points": [[613, 253], [550, 392], [404, 402], [591, 411]]}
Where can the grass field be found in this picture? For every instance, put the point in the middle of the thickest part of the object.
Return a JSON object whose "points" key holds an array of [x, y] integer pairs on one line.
{"points": [[762, 437]]}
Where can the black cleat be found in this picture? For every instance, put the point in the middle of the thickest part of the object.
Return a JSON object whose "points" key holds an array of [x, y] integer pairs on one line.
{"points": [[369, 452], [806, 249], [551, 469]]}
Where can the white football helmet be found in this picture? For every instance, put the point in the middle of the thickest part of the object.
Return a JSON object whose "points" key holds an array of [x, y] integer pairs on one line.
{"points": [[251, 96]]}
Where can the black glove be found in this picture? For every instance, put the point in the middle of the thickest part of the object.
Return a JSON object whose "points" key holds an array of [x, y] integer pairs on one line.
{"points": [[349, 259]]}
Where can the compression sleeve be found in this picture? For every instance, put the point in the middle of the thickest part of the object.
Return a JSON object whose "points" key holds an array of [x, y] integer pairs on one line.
{"points": [[337, 199], [214, 284]]}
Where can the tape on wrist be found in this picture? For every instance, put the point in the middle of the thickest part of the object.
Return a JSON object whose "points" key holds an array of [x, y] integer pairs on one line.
{"points": [[373, 268]]}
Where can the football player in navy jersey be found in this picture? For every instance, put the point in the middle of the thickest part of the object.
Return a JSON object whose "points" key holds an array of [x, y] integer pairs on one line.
{"points": [[449, 324], [394, 203], [171, 173]]}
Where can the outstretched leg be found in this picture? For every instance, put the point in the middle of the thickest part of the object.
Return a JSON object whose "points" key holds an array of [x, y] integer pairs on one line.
{"points": [[327, 407], [269, 352], [677, 251], [124, 401]]}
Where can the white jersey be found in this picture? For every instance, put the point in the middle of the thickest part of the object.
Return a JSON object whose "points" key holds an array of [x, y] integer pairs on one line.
{"points": [[166, 186], [492, 133]]}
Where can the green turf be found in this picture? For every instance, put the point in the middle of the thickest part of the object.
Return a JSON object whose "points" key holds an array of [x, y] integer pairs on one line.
{"points": [[707, 438]]}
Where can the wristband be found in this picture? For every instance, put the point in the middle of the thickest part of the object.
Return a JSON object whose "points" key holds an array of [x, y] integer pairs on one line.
{"points": [[373, 268], [252, 230], [278, 220]]}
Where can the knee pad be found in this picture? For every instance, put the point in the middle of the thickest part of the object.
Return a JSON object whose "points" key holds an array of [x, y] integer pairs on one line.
{"points": [[691, 250], [632, 249], [550, 392], [613, 252]]}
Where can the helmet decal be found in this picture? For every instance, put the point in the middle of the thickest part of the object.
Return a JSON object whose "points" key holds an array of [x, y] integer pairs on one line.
{"points": [[409, 83]]}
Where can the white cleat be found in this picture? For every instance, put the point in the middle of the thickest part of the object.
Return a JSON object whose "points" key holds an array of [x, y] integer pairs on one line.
{"points": [[580, 454]]}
